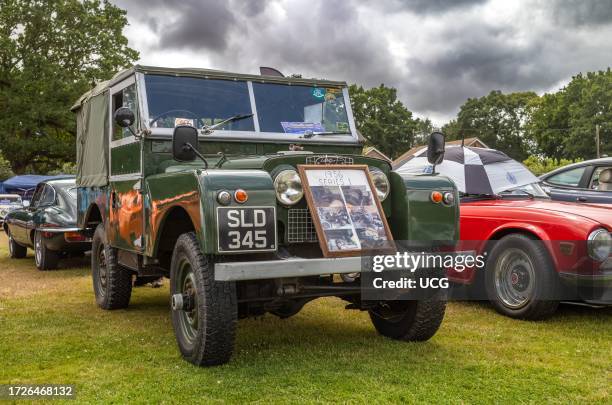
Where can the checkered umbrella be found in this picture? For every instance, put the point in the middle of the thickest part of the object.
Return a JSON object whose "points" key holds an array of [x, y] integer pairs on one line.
{"points": [[474, 170]]}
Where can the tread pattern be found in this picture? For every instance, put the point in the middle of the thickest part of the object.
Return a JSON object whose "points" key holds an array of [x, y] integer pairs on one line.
{"points": [[118, 280], [217, 308], [419, 323]]}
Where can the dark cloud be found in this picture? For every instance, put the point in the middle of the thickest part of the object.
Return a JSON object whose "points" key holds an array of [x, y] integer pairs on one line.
{"points": [[191, 24], [582, 12], [434, 6], [437, 53]]}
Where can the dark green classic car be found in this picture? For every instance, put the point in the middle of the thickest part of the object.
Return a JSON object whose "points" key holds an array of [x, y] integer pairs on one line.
{"points": [[192, 174], [47, 225]]}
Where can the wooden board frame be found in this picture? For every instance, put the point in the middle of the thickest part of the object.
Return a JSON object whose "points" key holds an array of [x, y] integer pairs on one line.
{"points": [[323, 242]]}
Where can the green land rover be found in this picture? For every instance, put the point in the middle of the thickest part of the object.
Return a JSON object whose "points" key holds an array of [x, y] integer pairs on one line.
{"points": [[192, 174]]}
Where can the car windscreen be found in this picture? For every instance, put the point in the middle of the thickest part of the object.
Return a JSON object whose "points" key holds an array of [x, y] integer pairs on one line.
{"points": [[174, 101], [297, 109]]}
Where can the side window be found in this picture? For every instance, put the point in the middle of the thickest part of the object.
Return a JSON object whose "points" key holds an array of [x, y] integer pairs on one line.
{"points": [[36, 196], [568, 178], [594, 184], [48, 196], [125, 98]]}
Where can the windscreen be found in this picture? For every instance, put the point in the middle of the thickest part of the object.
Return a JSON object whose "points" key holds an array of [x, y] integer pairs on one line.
{"points": [[198, 102], [297, 109]]}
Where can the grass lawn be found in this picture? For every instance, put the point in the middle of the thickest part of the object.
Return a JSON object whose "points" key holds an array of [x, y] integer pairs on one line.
{"points": [[52, 332]]}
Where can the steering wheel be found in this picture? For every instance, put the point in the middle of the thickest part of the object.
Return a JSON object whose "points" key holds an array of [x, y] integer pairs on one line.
{"points": [[164, 114]]}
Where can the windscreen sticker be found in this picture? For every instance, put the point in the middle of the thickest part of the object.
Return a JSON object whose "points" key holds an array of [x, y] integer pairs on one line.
{"points": [[183, 121], [301, 127], [318, 92]]}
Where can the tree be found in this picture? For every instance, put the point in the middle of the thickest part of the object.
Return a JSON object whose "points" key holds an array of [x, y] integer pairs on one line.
{"points": [[548, 125], [5, 169], [50, 53], [589, 102], [498, 119], [563, 123], [383, 119]]}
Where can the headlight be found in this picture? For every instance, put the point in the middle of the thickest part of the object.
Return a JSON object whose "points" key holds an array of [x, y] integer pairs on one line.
{"points": [[599, 244], [288, 187], [381, 183]]}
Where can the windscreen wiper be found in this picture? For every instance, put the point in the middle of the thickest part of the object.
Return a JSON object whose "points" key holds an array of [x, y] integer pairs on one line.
{"points": [[309, 134], [208, 129]]}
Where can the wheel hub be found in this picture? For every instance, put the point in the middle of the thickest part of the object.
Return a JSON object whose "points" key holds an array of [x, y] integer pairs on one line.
{"points": [[514, 278]]}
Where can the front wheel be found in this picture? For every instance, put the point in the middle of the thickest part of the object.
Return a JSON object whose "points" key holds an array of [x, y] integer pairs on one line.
{"points": [[16, 251], [409, 320], [44, 258], [520, 278], [204, 311], [112, 283]]}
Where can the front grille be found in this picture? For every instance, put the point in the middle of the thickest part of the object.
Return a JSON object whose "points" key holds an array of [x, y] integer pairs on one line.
{"points": [[301, 228], [329, 160]]}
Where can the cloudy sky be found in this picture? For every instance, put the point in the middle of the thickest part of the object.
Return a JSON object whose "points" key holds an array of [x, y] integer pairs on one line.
{"points": [[437, 53]]}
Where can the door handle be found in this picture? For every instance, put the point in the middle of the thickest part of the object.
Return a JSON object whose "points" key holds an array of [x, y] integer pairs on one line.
{"points": [[581, 199]]}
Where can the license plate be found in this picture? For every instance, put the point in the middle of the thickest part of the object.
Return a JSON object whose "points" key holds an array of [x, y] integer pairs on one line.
{"points": [[246, 229]]}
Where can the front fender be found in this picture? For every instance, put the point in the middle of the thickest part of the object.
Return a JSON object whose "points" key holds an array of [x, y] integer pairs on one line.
{"points": [[415, 217]]}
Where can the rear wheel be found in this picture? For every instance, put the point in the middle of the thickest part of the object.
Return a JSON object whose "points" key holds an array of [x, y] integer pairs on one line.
{"points": [[520, 278], [44, 258], [409, 320], [112, 283], [204, 311], [16, 251]]}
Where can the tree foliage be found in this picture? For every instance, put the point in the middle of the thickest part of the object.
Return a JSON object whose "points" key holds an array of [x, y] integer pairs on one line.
{"points": [[539, 166], [50, 53], [5, 169], [563, 123], [384, 120], [498, 119]]}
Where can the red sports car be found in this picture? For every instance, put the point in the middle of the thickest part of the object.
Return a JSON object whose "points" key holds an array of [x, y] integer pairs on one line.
{"points": [[537, 252]]}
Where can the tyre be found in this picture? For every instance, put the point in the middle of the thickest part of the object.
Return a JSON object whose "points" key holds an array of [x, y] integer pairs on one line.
{"points": [[204, 311], [112, 283], [409, 320], [16, 251], [520, 278], [44, 258]]}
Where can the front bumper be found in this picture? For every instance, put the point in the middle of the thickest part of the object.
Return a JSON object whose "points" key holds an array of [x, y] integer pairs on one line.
{"points": [[293, 267]]}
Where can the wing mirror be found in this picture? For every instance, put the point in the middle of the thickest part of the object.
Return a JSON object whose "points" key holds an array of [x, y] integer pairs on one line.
{"points": [[184, 143], [435, 148], [124, 117]]}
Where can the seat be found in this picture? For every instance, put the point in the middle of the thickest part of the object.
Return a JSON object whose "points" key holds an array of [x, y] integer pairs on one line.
{"points": [[605, 180]]}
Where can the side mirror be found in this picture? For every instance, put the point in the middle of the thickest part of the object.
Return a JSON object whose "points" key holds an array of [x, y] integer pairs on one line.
{"points": [[124, 117], [435, 148], [184, 143], [25, 203]]}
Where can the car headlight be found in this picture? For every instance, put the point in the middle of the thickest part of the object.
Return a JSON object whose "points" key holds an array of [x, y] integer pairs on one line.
{"points": [[288, 186], [599, 244], [381, 183]]}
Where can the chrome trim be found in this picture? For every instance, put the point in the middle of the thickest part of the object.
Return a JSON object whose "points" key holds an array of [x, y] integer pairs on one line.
{"points": [[58, 230]]}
